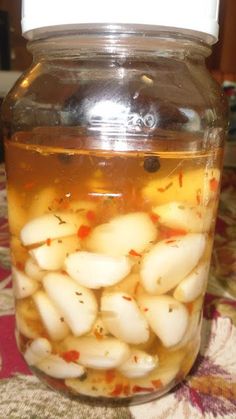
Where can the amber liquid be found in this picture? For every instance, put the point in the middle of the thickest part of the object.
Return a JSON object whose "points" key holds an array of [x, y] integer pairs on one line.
{"points": [[43, 179]]}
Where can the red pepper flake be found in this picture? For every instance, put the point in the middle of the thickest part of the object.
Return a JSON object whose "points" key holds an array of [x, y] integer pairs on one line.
{"points": [[48, 242], [20, 266], [29, 185], [167, 233], [157, 384], [181, 179], [189, 307], [135, 359], [145, 309], [198, 196], [165, 188], [83, 231], [139, 389], [126, 390], [71, 356], [127, 298], [134, 253], [170, 241], [154, 217], [117, 390], [110, 376], [91, 215], [213, 184]]}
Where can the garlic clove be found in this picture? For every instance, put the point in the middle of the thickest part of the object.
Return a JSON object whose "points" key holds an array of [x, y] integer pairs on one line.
{"points": [[99, 354], [38, 350], [122, 234], [23, 285], [170, 261], [56, 367], [193, 285], [51, 255], [50, 226], [167, 317], [51, 318], [138, 364], [77, 304], [94, 270], [33, 270], [123, 318]]}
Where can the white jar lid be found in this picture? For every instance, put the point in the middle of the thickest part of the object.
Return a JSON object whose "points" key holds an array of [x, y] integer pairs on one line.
{"points": [[199, 16]]}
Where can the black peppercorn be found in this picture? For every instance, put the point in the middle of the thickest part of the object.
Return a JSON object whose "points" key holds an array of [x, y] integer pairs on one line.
{"points": [[151, 164]]}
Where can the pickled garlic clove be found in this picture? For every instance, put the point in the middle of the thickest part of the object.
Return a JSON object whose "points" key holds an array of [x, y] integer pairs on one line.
{"points": [[56, 367], [17, 215], [138, 364], [122, 234], [51, 255], [178, 215], [94, 270], [38, 350], [77, 304], [190, 186], [123, 318], [50, 226], [99, 354], [42, 202], [170, 261], [23, 285], [52, 319], [193, 285], [33, 270], [167, 317]]}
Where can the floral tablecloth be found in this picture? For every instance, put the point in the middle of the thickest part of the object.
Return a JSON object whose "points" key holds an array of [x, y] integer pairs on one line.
{"points": [[208, 392]]}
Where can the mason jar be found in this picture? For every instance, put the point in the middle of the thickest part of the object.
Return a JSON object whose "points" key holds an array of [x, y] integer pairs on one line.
{"points": [[114, 144]]}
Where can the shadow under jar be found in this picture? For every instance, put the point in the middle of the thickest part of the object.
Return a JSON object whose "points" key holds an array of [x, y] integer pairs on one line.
{"points": [[114, 144]]}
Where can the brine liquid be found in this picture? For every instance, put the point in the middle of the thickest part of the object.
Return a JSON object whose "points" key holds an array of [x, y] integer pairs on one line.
{"points": [[101, 186]]}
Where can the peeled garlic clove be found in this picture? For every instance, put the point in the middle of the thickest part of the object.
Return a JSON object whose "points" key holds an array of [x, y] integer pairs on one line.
{"points": [[56, 367], [51, 318], [138, 364], [122, 234], [178, 215], [77, 304], [50, 226], [38, 350], [51, 256], [23, 285], [167, 317], [99, 354], [95, 270], [170, 261], [33, 270], [123, 318], [193, 285], [42, 202]]}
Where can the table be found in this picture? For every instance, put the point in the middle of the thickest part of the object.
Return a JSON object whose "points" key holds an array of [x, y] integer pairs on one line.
{"points": [[210, 389]]}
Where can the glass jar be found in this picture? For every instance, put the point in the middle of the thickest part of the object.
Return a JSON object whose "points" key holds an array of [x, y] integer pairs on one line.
{"points": [[114, 144]]}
